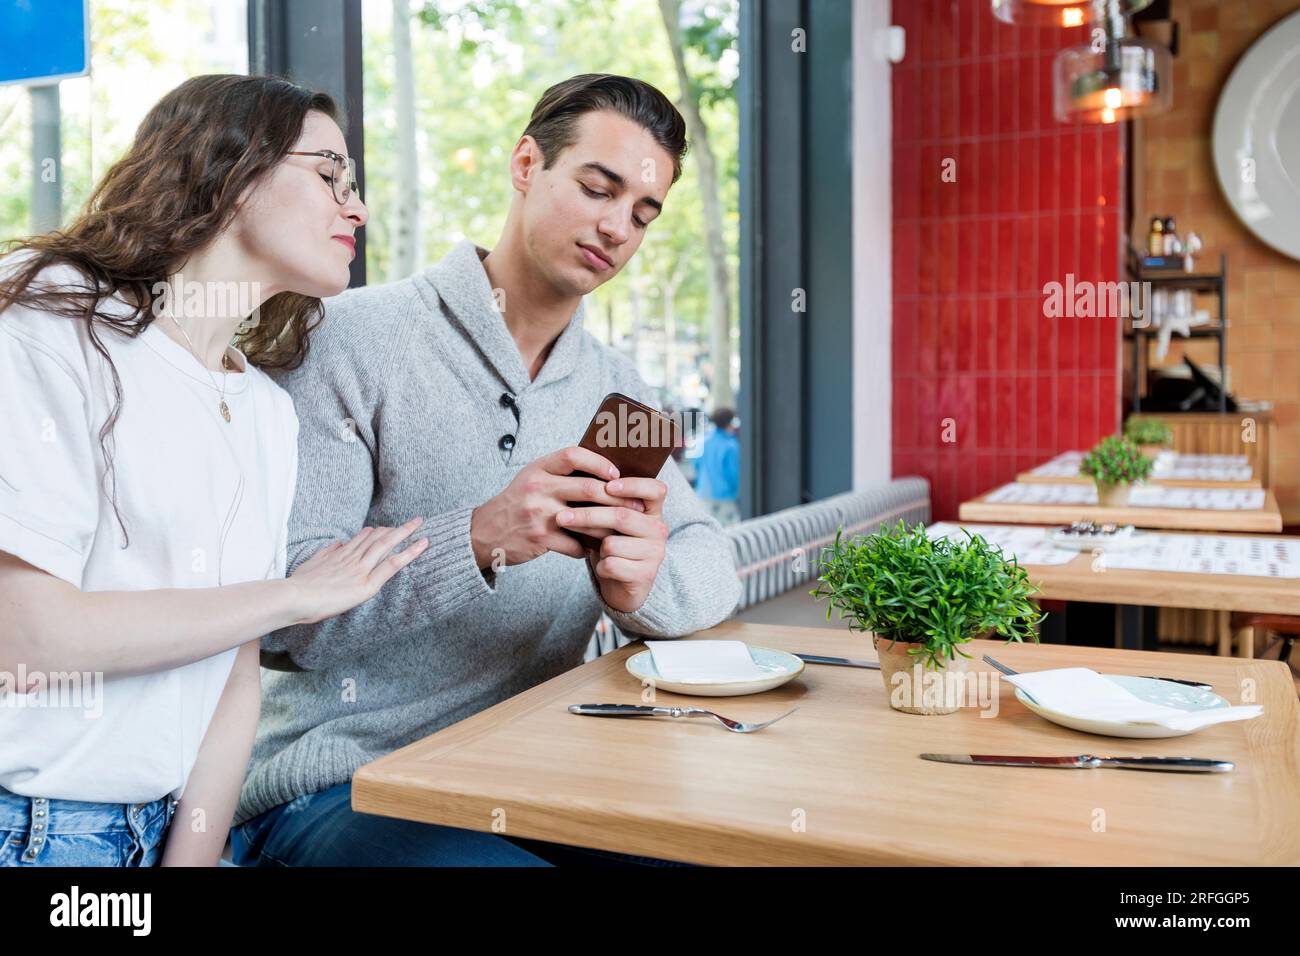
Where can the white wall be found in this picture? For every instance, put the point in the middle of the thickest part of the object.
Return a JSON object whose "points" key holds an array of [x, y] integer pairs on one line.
{"points": [[872, 215]]}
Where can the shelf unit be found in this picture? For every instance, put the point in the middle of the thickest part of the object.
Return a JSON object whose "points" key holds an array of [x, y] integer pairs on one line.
{"points": [[1215, 283]]}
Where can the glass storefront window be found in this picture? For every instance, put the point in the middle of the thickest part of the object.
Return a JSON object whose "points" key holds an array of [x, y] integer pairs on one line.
{"points": [[138, 52], [442, 120]]}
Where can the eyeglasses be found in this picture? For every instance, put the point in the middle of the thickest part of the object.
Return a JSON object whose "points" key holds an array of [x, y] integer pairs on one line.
{"points": [[343, 173]]}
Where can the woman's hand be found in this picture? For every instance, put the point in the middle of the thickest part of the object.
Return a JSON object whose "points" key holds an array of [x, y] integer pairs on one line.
{"points": [[344, 574]]}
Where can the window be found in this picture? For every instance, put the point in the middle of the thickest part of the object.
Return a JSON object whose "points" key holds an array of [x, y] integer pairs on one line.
{"points": [[138, 52], [442, 119]]}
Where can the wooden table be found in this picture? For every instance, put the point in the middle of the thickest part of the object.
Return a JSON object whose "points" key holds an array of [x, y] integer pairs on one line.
{"points": [[840, 782], [1079, 580], [1266, 519]]}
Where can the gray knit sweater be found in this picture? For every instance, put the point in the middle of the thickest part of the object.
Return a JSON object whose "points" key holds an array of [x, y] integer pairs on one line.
{"points": [[399, 402]]}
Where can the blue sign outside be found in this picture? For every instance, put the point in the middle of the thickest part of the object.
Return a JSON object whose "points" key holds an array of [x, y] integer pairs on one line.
{"points": [[43, 41]]}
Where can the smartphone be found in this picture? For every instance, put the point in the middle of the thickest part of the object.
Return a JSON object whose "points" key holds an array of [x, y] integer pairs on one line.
{"points": [[635, 437]]}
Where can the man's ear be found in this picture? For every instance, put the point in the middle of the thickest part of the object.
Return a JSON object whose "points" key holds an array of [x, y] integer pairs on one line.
{"points": [[525, 162]]}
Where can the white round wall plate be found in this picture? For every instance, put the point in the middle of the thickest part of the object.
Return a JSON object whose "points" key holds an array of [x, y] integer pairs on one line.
{"points": [[1257, 137]]}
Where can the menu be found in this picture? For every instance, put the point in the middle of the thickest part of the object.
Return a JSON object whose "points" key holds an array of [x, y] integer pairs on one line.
{"points": [[1273, 557], [1215, 499], [1029, 545], [1270, 557], [1167, 465], [1203, 467], [1143, 496], [1033, 493], [1064, 465]]}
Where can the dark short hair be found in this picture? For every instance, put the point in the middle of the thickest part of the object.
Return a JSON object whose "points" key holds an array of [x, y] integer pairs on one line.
{"points": [[723, 417], [554, 120]]}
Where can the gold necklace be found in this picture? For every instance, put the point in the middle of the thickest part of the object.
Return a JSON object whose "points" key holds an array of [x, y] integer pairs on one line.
{"points": [[225, 364]]}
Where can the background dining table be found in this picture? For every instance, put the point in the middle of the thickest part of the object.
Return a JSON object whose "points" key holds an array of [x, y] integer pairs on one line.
{"points": [[841, 781], [1267, 518], [1134, 591]]}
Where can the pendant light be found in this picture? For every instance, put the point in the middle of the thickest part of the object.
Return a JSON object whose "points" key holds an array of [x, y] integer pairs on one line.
{"points": [[1060, 13], [1113, 77]]}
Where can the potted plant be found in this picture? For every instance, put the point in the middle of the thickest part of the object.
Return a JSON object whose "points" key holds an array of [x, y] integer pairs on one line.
{"points": [[1115, 464], [1151, 435], [921, 599]]}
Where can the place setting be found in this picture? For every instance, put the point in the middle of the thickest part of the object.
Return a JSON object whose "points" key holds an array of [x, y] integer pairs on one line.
{"points": [[703, 668]]}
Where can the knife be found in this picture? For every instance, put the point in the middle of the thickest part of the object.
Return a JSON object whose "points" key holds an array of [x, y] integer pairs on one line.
{"points": [[1086, 761], [841, 661], [875, 666], [1189, 683]]}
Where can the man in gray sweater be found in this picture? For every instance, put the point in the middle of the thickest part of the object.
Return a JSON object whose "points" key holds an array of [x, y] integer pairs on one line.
{"points": [[458, 395]]}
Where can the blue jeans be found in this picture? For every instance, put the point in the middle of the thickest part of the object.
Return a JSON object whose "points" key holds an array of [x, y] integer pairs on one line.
{"points": [[35, 831], [322, 829]]}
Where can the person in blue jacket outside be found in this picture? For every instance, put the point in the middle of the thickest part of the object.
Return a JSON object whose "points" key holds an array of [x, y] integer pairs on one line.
{"points": [[718, 480]]}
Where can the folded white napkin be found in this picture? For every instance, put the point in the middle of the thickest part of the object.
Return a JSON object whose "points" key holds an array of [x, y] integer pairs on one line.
{"points": [[1082, 692], [704, 662]]}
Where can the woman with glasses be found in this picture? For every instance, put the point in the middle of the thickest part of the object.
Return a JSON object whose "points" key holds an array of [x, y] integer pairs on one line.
{"points": [[147, 467]]}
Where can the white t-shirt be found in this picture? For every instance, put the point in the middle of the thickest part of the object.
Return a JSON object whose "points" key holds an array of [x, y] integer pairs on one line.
{"points": [[205, 503]]}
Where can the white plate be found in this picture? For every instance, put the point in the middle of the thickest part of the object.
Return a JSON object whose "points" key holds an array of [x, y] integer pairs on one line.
{"points": [[783, 667], [1257, 137], [1144, 688]]}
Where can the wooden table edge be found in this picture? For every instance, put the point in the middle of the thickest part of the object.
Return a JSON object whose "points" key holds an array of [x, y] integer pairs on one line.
{"points": [[1262, 520]]}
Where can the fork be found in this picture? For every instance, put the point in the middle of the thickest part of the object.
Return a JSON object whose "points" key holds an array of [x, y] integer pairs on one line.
{"points": [[1010, 672], [1172, 680], [642, 710]]}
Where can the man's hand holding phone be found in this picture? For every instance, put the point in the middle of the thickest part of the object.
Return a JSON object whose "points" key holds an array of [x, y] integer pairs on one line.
{"points": [[578, 502], [519, 524], [626, 544], [632, 541]]}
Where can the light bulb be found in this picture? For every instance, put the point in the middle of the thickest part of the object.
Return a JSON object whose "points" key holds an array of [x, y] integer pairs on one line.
{"points": [[1062, 13], [1088, 87]]}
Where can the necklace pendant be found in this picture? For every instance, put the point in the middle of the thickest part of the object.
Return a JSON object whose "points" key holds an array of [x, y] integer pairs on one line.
{"points": [[225, 410]]}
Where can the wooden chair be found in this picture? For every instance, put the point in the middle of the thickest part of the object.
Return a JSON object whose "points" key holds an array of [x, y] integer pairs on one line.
{"points": [[1285, 626]]}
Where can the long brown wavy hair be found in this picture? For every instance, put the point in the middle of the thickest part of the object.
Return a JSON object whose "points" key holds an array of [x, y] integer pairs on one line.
{"points": [[191, 164]]}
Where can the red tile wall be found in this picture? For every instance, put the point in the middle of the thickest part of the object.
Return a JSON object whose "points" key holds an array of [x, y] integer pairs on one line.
{"points": [[1033, 200]]}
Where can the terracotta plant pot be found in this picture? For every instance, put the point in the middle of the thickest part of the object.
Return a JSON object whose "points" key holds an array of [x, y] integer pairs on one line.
{"points": [[918, 688], [1151, 451], [1113, 494]]}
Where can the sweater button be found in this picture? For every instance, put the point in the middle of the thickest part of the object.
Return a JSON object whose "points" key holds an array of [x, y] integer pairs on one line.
{"points": [[506, 442]]}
